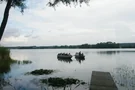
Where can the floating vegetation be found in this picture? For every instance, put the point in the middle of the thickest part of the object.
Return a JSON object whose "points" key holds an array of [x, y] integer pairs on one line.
{"points": [[61, 82], [58, 82], [22, 62], [41, 72], [124, 76]]}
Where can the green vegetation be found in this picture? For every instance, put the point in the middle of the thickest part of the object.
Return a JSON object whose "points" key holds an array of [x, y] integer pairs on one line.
{"points": [[5, 60], [124, 76], [41, 72], [83, 46], [60, 82], [4, 54], [26, 62]]}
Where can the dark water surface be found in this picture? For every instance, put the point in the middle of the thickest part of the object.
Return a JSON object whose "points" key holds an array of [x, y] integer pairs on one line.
{"points": [[119, 62]]}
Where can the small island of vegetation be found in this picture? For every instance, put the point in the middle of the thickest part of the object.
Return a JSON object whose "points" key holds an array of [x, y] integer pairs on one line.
{"points": [[41, 72], [58, 82]]}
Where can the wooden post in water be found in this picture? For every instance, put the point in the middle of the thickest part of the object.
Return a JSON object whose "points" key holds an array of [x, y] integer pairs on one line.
{"points": [[102, 81]]}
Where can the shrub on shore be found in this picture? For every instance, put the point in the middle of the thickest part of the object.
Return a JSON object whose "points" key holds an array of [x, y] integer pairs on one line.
{"points": [[4, 53], [5, 60]]}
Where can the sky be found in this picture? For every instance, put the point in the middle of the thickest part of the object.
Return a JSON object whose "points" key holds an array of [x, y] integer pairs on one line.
{"points": [[100, 21]]}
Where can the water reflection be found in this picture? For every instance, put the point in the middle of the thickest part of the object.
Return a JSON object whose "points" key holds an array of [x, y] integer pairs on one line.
{"points": [[65, 60], [95, 61], [108, 52], [115, 52], [125, 77], [80, 59], [5, 67]]}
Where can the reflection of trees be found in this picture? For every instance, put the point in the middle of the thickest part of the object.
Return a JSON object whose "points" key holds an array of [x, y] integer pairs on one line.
{"points": [[108, 52], [80, 59], [59, 83], [65, 60], [4, 68], [124, 76]]}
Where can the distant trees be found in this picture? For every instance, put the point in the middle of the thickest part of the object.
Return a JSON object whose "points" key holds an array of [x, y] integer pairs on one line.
{"points": [[107, 45], [101, 45], [83, 46]]}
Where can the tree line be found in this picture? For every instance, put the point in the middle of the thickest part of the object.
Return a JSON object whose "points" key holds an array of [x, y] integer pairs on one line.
{"points": [[82, 46]]}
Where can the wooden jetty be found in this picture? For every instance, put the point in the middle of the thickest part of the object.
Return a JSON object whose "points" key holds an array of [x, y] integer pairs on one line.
{"points": [[102, 81]]}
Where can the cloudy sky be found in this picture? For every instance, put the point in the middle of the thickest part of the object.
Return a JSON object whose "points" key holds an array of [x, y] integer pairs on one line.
{"points": [[101, 21]]}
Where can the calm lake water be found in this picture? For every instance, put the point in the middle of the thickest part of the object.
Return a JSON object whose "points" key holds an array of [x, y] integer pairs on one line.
{"points": [[119, 62]]}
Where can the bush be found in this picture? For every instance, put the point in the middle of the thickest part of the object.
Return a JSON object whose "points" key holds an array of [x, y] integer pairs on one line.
{"points": [[4, 53]]}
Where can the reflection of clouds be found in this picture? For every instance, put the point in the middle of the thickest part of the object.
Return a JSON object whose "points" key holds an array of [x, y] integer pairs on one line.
{"points": [[18, 56]]}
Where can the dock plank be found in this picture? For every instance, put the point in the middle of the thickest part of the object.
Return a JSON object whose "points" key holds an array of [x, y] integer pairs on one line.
{"points": [[102, 81]]}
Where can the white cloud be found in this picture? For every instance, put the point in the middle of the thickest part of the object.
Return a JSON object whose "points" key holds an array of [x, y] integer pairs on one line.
{"points": [[103, 20]]}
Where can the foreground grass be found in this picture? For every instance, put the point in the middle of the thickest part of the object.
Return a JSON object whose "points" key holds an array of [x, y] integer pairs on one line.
{"points": [[4, 54], [5, 60]]}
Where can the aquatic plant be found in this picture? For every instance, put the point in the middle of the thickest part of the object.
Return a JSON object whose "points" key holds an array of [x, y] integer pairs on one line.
{"points": [[41, 72], [4, 53], [22, 62], [26, 62], [124, 76], [61, 82]]}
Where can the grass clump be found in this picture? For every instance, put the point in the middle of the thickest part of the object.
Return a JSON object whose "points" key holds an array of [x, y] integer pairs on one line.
{"points": [[42, 72], [5, 60], [22, 62], [26, 62], [4, 53], [60, 82]]}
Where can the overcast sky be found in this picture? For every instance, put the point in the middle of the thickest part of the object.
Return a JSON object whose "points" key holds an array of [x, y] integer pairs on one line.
{"points": [[101, 21]]}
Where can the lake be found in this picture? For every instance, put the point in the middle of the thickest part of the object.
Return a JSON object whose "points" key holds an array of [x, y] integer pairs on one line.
{"points": [[119, 62]]}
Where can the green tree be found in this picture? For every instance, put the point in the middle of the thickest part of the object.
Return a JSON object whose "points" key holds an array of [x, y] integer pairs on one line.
{"points": [[22, 5]]}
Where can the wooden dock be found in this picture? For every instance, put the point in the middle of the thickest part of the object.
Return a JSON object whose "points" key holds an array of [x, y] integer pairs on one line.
{"points": [[102, 81]]}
